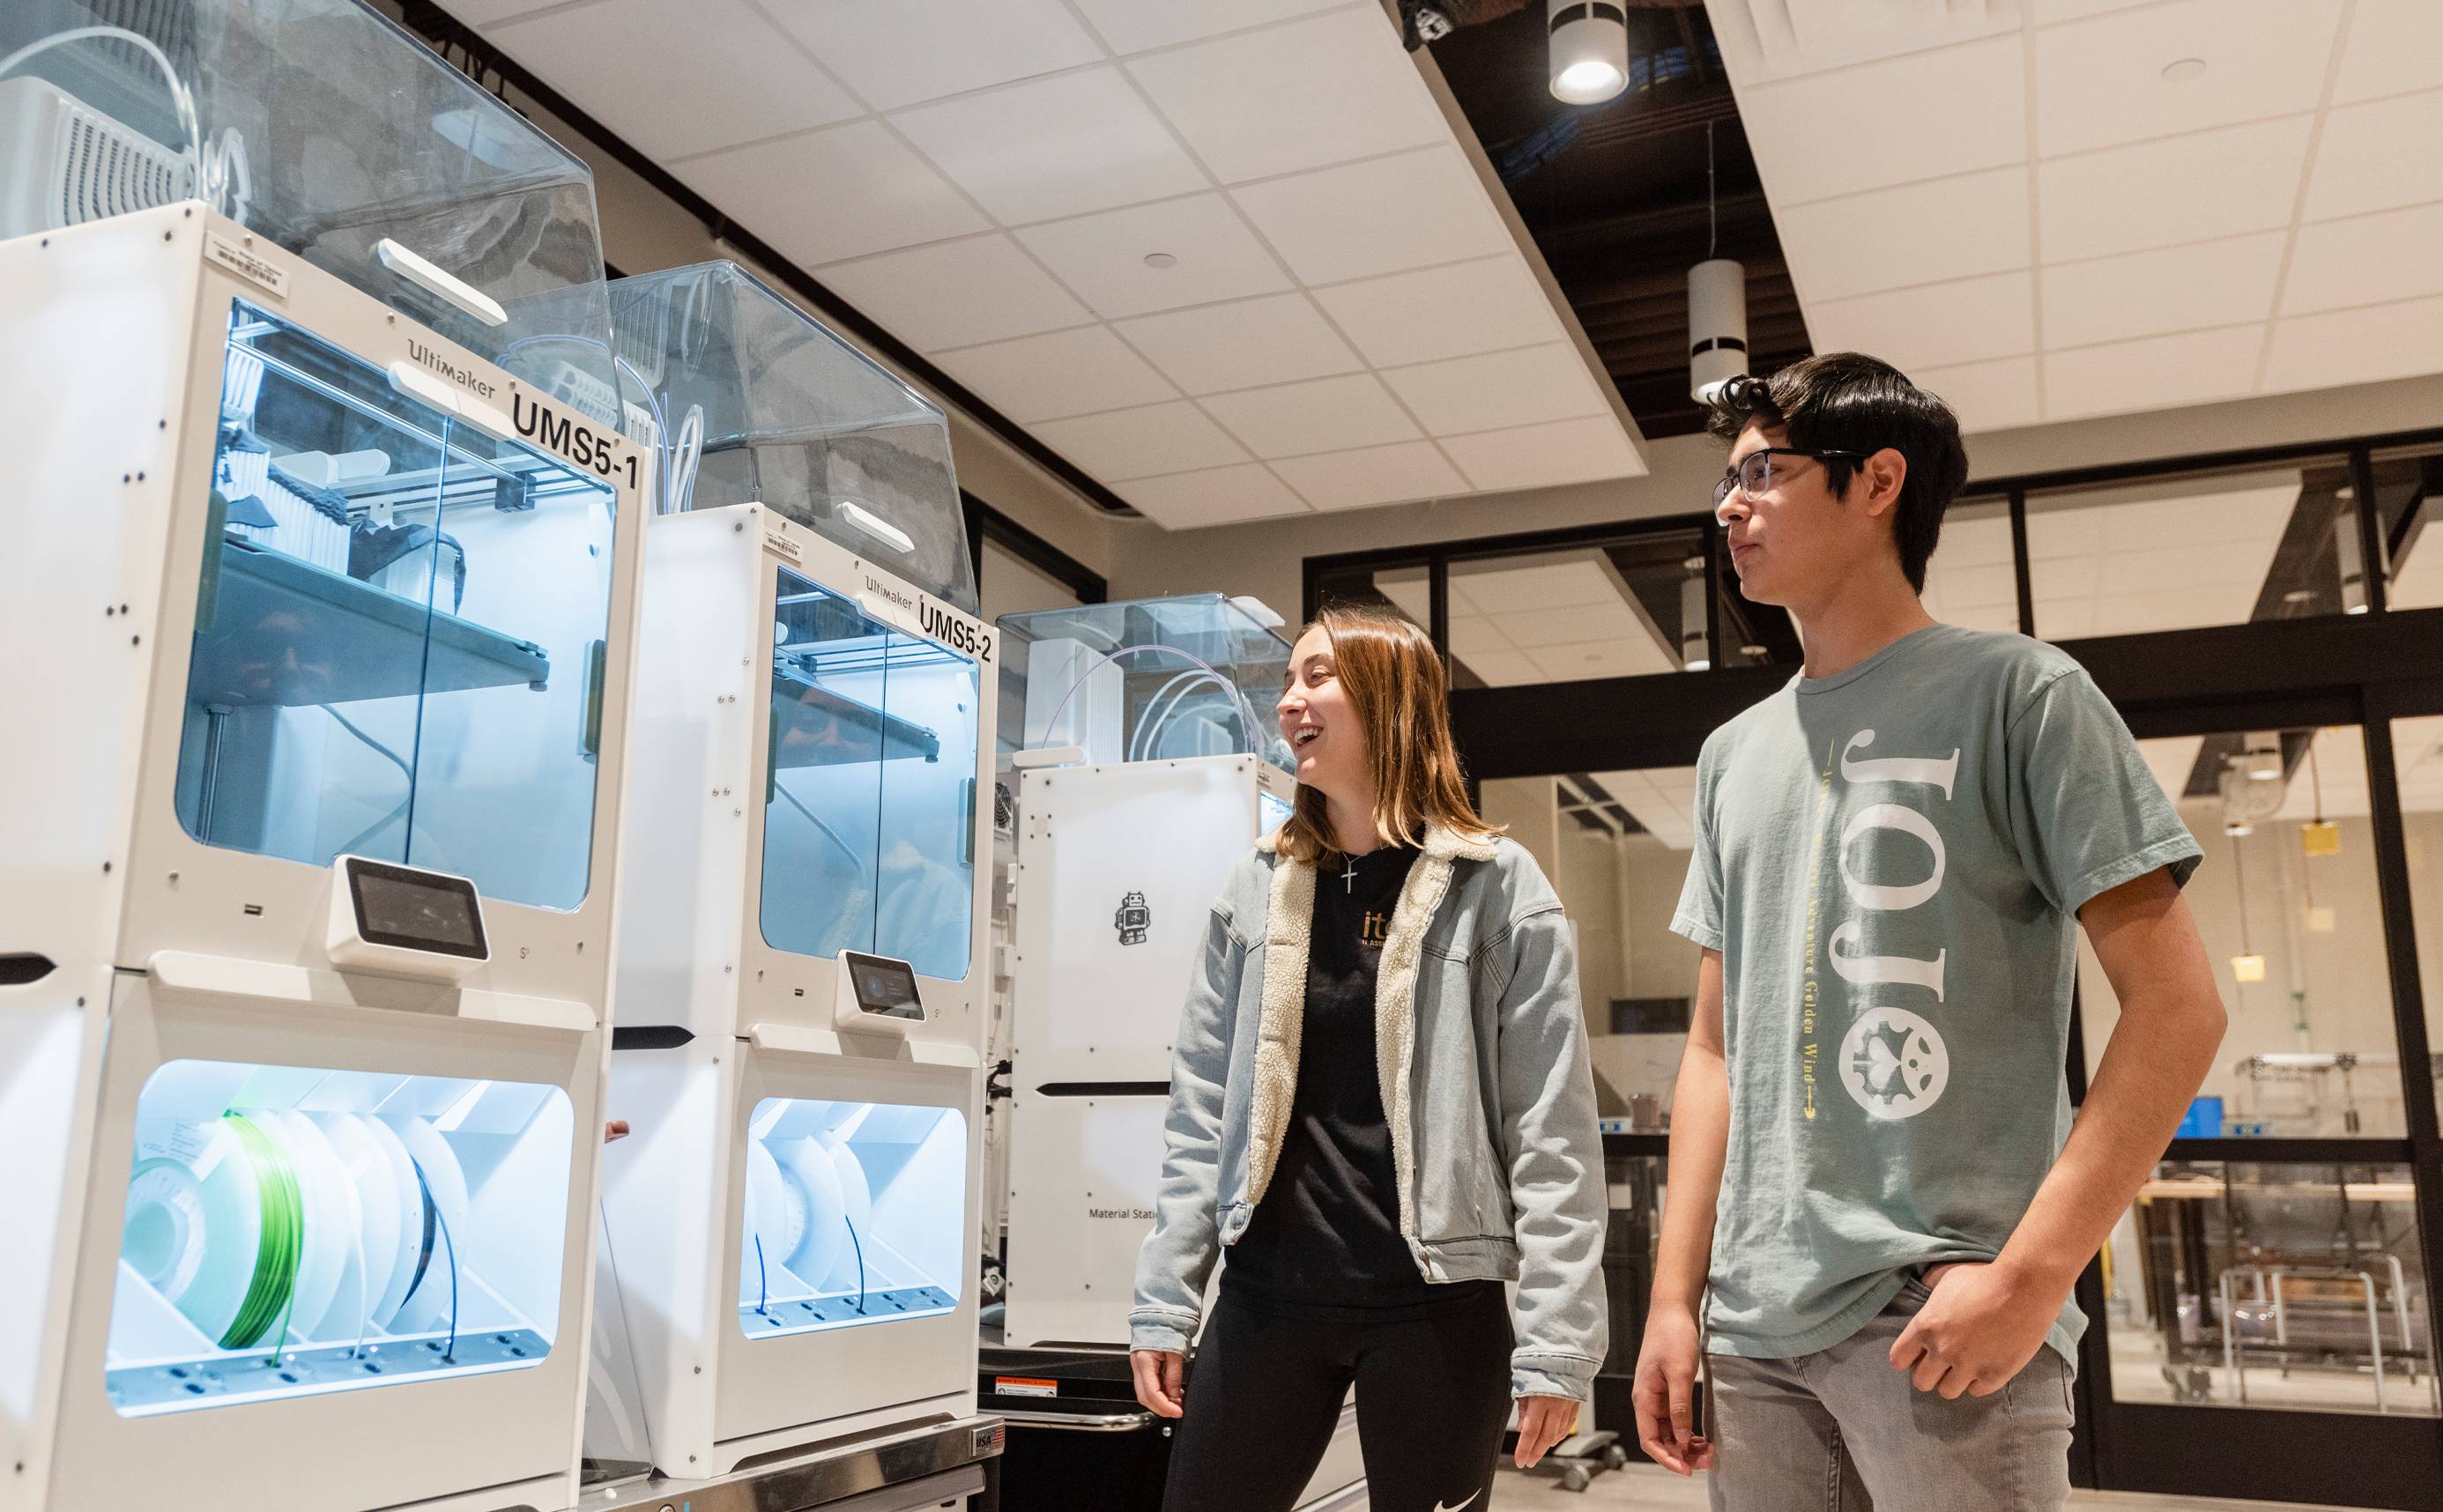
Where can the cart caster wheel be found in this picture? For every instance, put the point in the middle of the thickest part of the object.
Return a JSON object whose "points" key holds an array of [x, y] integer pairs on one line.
{"points": [[1575, 1479], [1615, 1458]]}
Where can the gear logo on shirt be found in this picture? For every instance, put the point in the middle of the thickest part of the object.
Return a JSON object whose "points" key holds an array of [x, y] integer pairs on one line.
{"points": [[1894, 1064]]}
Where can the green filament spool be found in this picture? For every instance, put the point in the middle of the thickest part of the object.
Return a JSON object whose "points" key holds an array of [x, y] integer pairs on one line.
{"points": [[281, 1246]]}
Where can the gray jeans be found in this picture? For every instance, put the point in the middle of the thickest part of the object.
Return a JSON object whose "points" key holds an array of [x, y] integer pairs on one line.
{"points": [[1841, 1431]]}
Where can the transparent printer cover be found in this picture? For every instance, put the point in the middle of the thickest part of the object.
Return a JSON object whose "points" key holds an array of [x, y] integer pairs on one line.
{"points": [[795, 419], [1153, 680], [329, 130]]}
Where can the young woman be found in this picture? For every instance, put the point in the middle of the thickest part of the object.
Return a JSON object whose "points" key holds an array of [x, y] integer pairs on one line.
{"points": [[1381, 1108]]}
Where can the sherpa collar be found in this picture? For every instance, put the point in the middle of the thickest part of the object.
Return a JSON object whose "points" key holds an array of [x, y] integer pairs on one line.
{"points": [[1289, 930], [1441, 840]]}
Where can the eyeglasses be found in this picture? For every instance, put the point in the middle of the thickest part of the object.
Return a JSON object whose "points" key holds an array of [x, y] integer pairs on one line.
{"points": [[1753, 477]]}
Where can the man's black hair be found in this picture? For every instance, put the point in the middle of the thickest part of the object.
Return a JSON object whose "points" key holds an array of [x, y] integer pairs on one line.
{"points": [[1845, 401]]}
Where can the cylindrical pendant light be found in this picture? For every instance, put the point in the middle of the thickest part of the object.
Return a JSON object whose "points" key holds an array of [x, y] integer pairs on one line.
{"points": [[1589, 50]]}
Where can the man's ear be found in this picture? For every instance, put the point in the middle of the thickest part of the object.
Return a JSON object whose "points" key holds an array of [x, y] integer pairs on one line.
{"points": [[1881, 476]]}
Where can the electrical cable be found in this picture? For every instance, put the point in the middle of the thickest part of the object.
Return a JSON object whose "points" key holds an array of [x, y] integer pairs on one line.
{"points": [[1140, 747], [1247, 727], [348, 848], [450, 1351], [1712, 225], [364, 1301], [280, 1245], [687, 454], [860, 1262], [846, 849]]}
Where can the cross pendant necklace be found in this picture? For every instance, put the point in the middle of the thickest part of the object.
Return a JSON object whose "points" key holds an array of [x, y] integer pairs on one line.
{"points": [[1348, 878]]}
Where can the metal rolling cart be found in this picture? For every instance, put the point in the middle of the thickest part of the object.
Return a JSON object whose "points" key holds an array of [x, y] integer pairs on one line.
{"points": [[2303, 1281], [956, 1463]]}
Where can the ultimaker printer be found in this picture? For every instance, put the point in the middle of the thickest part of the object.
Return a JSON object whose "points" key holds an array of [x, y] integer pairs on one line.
{"points": [[791, 1222], [318, 597], [1121, 722]]}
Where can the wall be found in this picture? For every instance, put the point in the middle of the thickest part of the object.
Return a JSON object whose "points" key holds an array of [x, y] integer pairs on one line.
{"points": [[1266, 557]]}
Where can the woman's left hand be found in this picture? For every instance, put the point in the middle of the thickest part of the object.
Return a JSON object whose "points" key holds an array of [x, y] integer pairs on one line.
{"points": [[1544, 1421]]}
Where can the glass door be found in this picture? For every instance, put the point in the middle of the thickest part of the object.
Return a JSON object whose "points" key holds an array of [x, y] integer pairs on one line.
{"points": [[1615, 846], [2271, 1279]]}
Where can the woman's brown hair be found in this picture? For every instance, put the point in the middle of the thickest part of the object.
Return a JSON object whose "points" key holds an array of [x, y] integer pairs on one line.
{"points": [[1394, 679]]}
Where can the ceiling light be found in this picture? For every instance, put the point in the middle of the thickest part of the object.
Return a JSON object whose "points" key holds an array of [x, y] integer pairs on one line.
{"points": [[2180, 70], [1160, 260], [1589, 50]]}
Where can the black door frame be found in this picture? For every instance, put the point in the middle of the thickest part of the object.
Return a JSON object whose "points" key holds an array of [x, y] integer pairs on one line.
{"points": [[2362, 669]]}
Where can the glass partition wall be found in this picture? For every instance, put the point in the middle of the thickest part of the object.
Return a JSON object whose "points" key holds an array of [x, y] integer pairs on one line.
{"points": [[2270, 626]]}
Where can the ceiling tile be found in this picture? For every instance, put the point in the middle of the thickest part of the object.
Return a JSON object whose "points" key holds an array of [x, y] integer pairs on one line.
{"points": [[1917, 233], [898, 52], [2177, 288], [2100, 83], [1607, 620], [1864, 128], [1103, 257], [1515, 584], [1135, 26], [2187, 188], [2356, 346], [1443, 312], [721, 75], [2370, 260], [1216, 497], [1376, 475], [1498, 389], [2047, 12], [836, 193], [1065, 145], [2156, 374], [1937, 325], [1299, 95], [1279, 338], [1611, 658], [1565, 451], [1124, 444], [487, 12], [2378, 156], [1329, 415], [2392, 50], [957, 294], [1379, 216], [1986, 395], [1500, 669], [1473, 635], [1782, 39], [1062, 374]]}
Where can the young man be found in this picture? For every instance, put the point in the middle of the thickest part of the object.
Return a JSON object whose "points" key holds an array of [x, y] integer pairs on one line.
{"points": [[1873, 1164]]}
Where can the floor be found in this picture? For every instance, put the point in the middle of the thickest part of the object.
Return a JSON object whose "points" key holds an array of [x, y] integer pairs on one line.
{"points": [[1643, 1489]]}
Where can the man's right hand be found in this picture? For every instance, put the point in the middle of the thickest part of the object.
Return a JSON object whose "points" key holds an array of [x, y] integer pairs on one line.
{"points": [[1157, 1372], [1664, 1394]]}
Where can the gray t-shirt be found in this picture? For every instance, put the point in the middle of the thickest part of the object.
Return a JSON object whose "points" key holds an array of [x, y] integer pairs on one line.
{"points": [[1891, 861]]}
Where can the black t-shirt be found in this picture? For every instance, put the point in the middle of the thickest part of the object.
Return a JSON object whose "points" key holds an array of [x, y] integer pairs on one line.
{"points": [[1327, 1233]]}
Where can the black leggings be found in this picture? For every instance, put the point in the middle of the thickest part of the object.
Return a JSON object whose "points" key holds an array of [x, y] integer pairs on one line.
{"points": [[1433, 1397]]}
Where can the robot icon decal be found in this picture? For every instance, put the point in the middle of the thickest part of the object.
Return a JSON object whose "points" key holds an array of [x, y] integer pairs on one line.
{"points": [[1133, 919], [1894, 1064]]}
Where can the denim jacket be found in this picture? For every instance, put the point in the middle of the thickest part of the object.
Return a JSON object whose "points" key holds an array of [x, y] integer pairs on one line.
{"points": [[1485, 1081]]}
